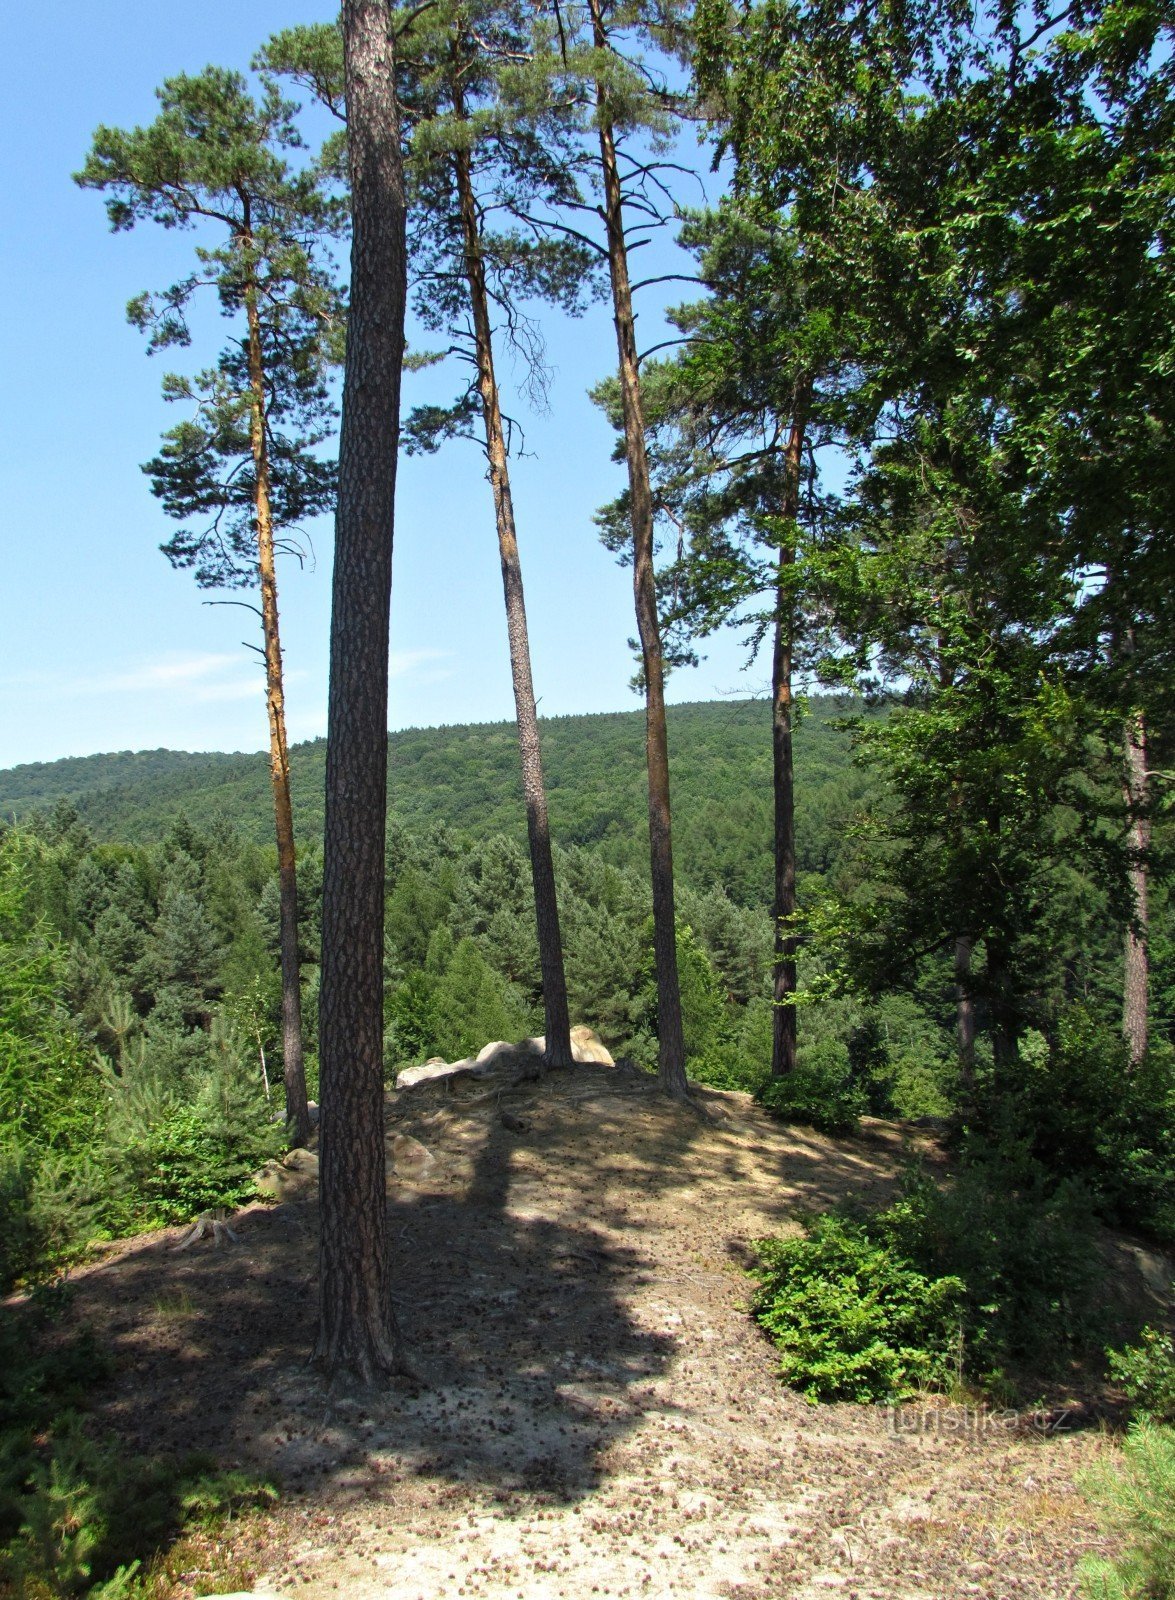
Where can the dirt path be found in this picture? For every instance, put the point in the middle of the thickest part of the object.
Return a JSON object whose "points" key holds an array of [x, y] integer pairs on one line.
{"points": [[603, 1418]]}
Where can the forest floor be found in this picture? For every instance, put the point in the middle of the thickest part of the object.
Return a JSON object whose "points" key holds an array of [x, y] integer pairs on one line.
{"points": [[601, 1416]]}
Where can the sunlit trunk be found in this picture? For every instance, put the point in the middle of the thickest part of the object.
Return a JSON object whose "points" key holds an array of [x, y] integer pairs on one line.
{"points": [[1136, 976], [671, 1043], [293, 1064], [784, 1028], [357, 1328]]}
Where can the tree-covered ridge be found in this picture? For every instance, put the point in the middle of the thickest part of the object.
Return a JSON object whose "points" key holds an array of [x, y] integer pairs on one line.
{"points": [[466, 777]]}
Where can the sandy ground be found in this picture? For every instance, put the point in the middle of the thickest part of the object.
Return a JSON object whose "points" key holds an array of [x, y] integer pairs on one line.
{"points": [[601, 1417]]}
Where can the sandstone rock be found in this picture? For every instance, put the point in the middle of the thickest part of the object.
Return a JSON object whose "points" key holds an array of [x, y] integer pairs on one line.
{"points": [[410, 1158], [272, 1180], [587, 1046], [438, 1071], [304, 1161], [489, 1052]]}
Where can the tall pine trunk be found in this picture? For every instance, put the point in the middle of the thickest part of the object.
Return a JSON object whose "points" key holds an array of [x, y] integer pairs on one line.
{"points": [[783, 1034], [671, 1047], [357, 1330], [293, 1063], [965, 1011], [1136, 975], [542, 869]]}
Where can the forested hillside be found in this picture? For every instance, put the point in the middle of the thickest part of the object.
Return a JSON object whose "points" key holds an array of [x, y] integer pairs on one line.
{"points": [[467, 779]]}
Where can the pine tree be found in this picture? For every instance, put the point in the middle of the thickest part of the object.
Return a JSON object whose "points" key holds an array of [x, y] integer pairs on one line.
{"points": [[623, 102], [478, 157], [485, 155], [240, 474], [357, 1329]]}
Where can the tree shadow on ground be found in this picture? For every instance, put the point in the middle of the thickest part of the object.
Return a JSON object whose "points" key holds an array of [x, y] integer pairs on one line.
{"points": [[516, 1260]]}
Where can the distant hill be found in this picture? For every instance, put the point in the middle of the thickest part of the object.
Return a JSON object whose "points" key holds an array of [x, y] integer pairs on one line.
{"points": [[466, 777]]}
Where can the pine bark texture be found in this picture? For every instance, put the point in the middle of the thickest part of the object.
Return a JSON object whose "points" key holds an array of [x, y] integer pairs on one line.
{"points": [[784, 1030], [1136, 974], [546, 906], [965, 1010], [293, 1061], [671, 1040], [357, 1331]]}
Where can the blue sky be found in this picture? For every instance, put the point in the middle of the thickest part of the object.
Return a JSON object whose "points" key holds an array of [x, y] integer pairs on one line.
{"points": [[104, 646]]}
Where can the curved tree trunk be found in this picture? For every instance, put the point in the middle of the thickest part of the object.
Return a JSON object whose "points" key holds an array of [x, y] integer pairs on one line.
{"points": [[671, 1045], [293, 1064], [1136, 975], [357, 1330], [783, 1033], [542, 869]]}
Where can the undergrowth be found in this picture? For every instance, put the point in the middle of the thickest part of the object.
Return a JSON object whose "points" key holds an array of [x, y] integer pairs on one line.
{"points": [[1134, 1493], [80, 1519], [987, 1279]]}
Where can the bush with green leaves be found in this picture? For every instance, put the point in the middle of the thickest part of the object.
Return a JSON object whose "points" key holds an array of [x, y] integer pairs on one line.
{"points": [[1135, 1495], [852, 1319], [190, 1142], [90, 1515], [1089, 1114], [822, 1091], [1025, 1247], [79, 1516], [1145, 1372], [987, 1277]]}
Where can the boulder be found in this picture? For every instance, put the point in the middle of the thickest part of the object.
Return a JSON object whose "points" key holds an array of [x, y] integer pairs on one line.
{"points": [[304, 1161], [440, 1071], [272, 1180], [587, 1046], [489, 1052], [410, 1158]]}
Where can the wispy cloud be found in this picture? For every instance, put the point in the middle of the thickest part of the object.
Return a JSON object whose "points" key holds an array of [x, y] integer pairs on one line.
{"points": [[425, 665], [201, 678], [205, 678]]}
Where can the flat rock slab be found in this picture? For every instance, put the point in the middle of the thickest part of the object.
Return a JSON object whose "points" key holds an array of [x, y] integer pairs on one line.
{"points": [[443, 1071]]}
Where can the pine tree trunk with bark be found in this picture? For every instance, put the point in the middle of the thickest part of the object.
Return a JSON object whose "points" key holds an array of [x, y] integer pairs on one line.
{"points": [[671, 1040], [293, 1061], [1136, 974], [965, 1011], [357, 1331], [784, 1030], [557, 1022]]}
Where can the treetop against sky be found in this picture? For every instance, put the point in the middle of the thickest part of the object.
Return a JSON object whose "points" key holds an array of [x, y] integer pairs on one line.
{"points": [[106, 646]]}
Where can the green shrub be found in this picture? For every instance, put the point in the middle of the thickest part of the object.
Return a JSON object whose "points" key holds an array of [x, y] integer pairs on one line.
{"points": [[1136, 1498], [987, 1277], [1023, 1245], [19, 1244], [90, 1515], [821, 1092], [1088, 1114], [78, 1516], [1146, 1372], [852, 1319], [185, 1145]]}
